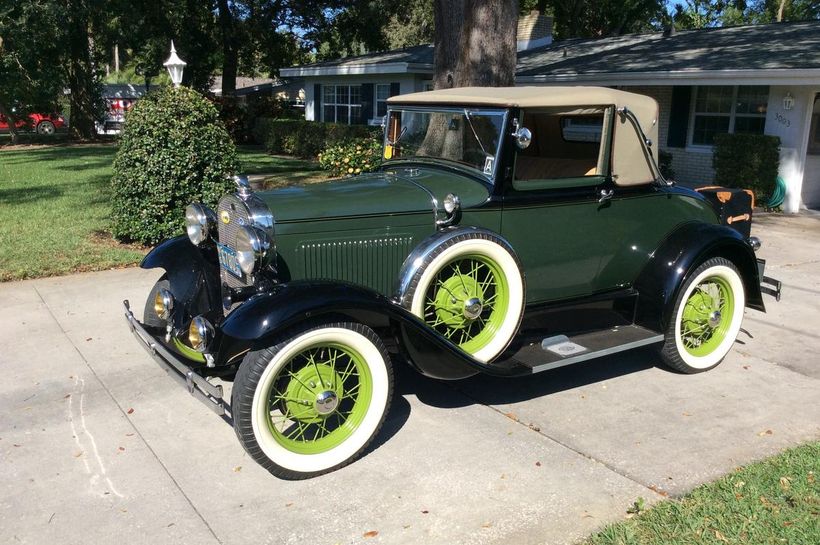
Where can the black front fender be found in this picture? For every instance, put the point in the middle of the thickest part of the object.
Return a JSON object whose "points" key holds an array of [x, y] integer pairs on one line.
{"points": [[263, 319], [678, 256], [193, 274]]}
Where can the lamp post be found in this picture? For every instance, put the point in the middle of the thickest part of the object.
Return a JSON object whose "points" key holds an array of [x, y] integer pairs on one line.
{"points": [[175, 66]]}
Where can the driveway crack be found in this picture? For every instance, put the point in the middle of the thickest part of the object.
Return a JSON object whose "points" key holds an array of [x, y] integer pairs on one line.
{"points": [[125, 414]]}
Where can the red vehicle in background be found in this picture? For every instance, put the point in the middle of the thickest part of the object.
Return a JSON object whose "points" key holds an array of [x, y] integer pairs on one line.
{"points": [[45, 124]]}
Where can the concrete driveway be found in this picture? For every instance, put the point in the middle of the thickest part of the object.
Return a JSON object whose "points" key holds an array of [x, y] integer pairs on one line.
{"points": [[100, 446]]}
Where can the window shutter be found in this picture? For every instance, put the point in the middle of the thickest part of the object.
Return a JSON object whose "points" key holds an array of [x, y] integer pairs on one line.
{"points": [[679, 116], [317, 102], [395, 88], [367, 102]]}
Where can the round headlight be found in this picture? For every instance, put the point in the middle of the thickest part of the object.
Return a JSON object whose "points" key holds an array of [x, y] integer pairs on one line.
{"points": [[451, 203], [199, 222], [200, 334], [163, 304], [252, 247]]}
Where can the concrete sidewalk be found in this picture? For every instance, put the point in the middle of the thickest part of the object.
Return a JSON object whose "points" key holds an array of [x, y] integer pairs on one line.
{"points": [[100, 446]]}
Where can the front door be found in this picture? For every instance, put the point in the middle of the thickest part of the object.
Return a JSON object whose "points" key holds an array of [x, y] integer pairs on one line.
{"points": [[811, 172]]}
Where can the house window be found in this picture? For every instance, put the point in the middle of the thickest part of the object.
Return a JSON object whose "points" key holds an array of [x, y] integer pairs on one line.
{"points": [[341, 104], [727, 109], [382, 94]]}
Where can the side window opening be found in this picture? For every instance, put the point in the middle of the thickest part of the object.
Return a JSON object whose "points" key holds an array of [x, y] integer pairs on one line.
{"points": [[565, 144]]}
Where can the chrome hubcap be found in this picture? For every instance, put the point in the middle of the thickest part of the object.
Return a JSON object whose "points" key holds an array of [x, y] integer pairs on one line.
{"points": [[473, 308], [326, 402], [714, 318]]}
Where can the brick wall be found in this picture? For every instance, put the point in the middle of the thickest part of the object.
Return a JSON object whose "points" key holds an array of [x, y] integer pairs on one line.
{"points": [[691, 167]]}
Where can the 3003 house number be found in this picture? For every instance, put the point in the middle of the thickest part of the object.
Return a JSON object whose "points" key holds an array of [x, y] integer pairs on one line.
{"points": [[783, 120]]}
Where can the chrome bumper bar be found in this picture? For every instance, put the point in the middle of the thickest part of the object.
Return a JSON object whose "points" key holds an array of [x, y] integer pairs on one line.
{"points": [[198, 386], [768, 285]]}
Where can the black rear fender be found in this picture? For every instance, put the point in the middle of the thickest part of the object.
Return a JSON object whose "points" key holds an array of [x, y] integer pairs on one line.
{"points": [[678, 256], [262, 320], [193, 275]]}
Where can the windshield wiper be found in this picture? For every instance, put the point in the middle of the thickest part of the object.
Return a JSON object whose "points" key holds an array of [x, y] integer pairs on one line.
{"points": [[396, 141], [477, 139]]}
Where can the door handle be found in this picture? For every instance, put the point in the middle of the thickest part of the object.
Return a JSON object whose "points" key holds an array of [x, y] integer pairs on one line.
{"points": [[605, 195]]}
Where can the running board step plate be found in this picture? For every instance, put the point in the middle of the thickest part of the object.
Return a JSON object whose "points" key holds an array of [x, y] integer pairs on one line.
{"points": [[562, 350]]}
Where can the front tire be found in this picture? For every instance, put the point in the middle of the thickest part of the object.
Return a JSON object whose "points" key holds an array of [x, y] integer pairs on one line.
{"points": [[706, 318], [313, 401], [46, 128]]}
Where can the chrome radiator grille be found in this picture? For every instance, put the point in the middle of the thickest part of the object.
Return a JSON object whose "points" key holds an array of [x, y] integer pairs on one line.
{"points": [[374, 263], [238, 214]]}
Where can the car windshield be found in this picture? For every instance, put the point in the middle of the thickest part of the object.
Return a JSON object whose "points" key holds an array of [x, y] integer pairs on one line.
{"points": [[468, 137]]}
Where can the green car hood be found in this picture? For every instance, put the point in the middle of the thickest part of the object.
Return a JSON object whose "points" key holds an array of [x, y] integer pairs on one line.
{"points": [[386, 193]]}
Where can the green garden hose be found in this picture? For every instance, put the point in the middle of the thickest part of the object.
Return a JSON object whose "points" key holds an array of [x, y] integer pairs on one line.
{"points": [[778, 195]]}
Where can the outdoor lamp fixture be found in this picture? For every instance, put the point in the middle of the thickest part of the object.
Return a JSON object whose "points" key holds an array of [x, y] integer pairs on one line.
{"points": [[788, 101], [175, 66]]}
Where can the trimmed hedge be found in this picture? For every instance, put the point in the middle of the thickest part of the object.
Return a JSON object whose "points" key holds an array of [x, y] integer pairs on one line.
{"points": [[747, 161], [352, 158], [173, 150], [307, 138]]}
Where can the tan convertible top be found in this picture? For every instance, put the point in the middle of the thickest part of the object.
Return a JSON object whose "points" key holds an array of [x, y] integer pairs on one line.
{"points": [[628, 165]]}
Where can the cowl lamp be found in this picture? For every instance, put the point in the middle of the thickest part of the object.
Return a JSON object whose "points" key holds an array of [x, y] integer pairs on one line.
{"points": [[175, 66]]}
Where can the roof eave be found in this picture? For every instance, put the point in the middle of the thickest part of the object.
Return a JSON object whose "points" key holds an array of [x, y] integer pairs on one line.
{"points": [[357, 69], [780, 76]]}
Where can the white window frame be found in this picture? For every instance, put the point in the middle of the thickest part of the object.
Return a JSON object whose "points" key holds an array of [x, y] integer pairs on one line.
{"points": [[732, 115], [337, 105], [377, 100]]}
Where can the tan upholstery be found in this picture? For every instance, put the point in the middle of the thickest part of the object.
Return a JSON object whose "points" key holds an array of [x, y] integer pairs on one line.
{"points": [[541, 168]]}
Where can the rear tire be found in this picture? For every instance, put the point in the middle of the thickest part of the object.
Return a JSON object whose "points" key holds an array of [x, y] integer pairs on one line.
{"points": [[46, 128], [706, 319], [312, 402]]}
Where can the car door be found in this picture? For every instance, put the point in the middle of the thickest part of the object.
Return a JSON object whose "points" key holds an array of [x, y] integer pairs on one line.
{"points": [[551, 213]]}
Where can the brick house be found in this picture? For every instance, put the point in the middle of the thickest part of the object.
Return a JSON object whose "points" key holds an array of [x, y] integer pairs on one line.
{"points": [[762, 79]]}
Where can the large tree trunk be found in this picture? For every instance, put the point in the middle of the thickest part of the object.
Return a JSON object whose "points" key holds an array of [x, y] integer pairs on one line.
{"points": [[230, 57], [475, 43], [81, 73]]}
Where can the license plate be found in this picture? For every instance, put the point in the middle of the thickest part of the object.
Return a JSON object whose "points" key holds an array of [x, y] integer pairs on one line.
{"points": [[227, 258]]}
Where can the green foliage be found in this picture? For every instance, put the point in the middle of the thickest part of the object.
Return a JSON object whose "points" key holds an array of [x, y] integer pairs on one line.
{"points": [[306, 138], [711, 13], [352, 158], [774, 501], [173, 150], [665, 164], [747, 161]]}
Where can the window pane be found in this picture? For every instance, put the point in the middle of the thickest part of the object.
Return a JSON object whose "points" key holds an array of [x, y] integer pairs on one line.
{"points": [[342, 114], [382, 92], [752, 99], [342, 94], [330, 94], [330, 114], [355, 95], [750, 125], [706, 127], [355, 114], [714, 100], [381, 108], [582, 128]]}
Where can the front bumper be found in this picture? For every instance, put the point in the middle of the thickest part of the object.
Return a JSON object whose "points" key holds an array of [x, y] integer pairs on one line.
{"points": [[198, 386], [768, 285]]}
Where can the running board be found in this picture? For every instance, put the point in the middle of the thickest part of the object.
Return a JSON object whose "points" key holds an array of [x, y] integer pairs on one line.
{"points": [[561, 350]]}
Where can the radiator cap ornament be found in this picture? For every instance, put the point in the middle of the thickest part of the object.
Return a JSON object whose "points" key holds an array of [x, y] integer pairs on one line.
{"points": [[243, 187]]}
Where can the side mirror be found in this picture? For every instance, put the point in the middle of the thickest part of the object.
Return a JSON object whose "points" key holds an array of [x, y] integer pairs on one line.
{"points": [[523, 137]]}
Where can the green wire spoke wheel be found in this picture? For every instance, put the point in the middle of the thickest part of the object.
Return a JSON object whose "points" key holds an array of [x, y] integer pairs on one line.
{"points": [[706, 318], [314, 400], [468, 288]]}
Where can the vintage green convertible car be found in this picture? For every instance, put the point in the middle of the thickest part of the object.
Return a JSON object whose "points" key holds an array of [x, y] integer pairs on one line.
{"points": [[509, 231]]}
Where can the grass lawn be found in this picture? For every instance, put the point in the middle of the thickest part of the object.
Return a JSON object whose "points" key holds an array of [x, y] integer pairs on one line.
{"points": [[776, 501], [55, 207]]}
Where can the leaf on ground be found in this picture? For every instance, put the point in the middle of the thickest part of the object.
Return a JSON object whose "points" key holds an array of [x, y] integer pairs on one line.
{"points": [[130, 411], [88, 339], [810, 477], [511, 416], [538, 464], [765, 432], [657, 490], [371, 533], [66, 396], [686, 414], [79, 454], [120, 449], [746, 367], [237, 469], [785, 483], [424, 511], [720, 536], [487, 525], [289, 504]]}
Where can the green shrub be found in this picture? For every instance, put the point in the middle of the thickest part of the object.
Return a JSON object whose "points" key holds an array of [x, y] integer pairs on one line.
{"points": [[355, 157], [747, 161], [173, 150], [306, 138]]}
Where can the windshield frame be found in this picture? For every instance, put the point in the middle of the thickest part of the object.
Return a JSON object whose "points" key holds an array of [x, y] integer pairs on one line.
{"points": [[489, 178]]}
